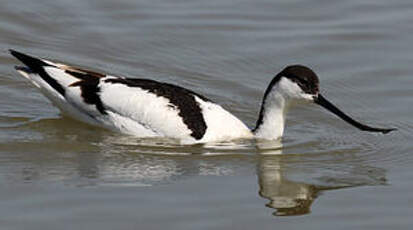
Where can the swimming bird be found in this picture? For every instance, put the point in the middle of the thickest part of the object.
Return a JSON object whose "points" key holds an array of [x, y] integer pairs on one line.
{"points": [[148, 108]]}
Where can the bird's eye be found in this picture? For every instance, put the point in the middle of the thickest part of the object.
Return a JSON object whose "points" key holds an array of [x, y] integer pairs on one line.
{"points": [[303, 81]]}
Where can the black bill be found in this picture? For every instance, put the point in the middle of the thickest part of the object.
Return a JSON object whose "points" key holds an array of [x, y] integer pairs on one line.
{"points": [[332, 108]]}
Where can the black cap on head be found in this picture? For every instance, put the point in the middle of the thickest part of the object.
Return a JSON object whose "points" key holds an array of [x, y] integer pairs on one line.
{"points": [[303, 76]]}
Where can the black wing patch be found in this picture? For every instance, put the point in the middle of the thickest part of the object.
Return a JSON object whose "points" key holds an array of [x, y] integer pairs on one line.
{"points": [[88, 83], [180, 98]]}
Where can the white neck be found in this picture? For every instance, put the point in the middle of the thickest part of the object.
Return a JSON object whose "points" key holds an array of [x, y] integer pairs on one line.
{"points": [[277, 98], [273, 117]]}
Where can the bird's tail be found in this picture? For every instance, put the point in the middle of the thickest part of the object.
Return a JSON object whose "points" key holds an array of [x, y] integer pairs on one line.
{"points": [[42, 73]]}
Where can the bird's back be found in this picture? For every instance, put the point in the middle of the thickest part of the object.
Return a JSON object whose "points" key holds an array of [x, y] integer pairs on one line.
{"points": [[141, 107]]}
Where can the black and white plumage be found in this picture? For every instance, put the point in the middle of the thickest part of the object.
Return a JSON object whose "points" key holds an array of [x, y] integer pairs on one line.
{"points": [[148, 108]]}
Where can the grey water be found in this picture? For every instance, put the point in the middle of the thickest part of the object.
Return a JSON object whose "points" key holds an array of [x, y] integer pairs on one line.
{"points": [[57, 173]]}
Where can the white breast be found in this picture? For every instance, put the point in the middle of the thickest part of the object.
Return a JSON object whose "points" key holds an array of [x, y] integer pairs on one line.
{"points": [[221, 125]]}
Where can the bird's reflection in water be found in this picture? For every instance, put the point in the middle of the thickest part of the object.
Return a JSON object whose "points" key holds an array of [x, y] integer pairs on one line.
{"points": [[146, 162], [287, 197], [291, 184]]}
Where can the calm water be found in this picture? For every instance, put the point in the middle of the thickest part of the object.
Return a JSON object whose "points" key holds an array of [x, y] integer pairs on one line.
{"points": [[57, 173]]}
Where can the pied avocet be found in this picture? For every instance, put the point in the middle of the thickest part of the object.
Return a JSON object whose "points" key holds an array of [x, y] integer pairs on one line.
{"points": [[147, 108]]}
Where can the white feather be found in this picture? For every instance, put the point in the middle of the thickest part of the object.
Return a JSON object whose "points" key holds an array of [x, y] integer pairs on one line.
{"points": [[66, 106], [276, 106], [221, 124], [144, 108]]}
